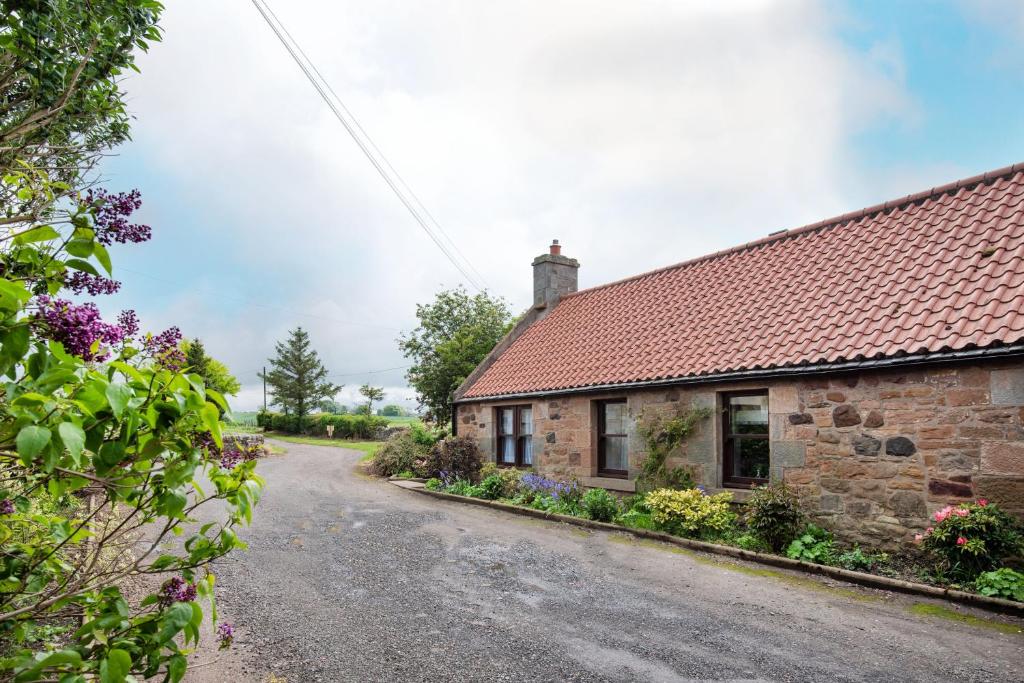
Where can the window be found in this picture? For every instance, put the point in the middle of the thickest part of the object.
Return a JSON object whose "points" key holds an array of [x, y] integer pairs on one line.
{"points": [[612, 454], [745, 456], [515, 436]]}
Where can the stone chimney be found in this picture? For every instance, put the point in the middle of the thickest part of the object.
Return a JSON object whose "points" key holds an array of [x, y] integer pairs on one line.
{"points": [[554, 275]]}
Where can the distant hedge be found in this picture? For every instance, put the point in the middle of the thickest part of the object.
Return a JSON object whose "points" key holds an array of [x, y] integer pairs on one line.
{"points": [[345, 426]]}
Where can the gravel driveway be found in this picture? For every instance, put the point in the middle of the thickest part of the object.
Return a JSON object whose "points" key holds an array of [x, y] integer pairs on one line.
{"points": [[348, 578]]}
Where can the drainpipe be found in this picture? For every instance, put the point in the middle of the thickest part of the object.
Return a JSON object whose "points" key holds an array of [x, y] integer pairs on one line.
{"points": [[455, 420]]}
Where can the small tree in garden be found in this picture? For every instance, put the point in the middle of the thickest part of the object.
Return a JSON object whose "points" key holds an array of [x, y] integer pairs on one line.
{"points": [[214, 373], [297, 378], [456, 331], [371, 394], [971, 538], [774, 514]]}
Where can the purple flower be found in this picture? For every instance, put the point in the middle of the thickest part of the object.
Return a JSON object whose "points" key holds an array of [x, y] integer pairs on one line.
{"points": [[110, 213], [176, 590], [164, 348], [129, 323], [78, 327], [6, 506], [225, 635], [78, 282]]}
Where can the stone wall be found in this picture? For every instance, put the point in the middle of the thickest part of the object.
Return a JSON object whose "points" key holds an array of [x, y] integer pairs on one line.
{"points": [[872, 454]]}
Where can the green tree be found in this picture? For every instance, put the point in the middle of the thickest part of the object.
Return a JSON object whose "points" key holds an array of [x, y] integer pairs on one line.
{"points": [[215, 374], [297, 378], [90, 407], [456, 331], [329, 405], [371, 394], [392, 410]]}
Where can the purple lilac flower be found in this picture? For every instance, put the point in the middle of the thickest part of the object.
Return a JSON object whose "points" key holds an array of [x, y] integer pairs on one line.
{"points": [[225, 635], [176, 590], [78, 282], [164, 348], [110, 216], [129, 323], [77, 327], [6, 506]]}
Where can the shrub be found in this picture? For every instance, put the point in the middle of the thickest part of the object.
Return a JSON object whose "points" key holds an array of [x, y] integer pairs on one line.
{"points": [[1001, 583], [456, 456], [774, 515], [636, 519], [813, 545], [345, 426], [691, 512], [971, 538], [464, 487], [859, 561], [599, 505], [551, 494], [749, 541], [492, 486], [434, 484], [400, 453]]}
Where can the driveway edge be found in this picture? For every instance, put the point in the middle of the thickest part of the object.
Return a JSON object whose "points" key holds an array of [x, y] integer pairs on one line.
{"points": [[861, 578]]}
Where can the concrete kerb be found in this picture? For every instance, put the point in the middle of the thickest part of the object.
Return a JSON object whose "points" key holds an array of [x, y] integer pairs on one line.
{"points": [[860, 578]]}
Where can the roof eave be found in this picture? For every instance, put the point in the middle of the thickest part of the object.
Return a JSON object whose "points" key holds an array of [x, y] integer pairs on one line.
{"points": [[766, 373]]}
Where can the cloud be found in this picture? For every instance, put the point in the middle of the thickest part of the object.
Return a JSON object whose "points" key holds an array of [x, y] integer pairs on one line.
{"points": [[640, 134]]}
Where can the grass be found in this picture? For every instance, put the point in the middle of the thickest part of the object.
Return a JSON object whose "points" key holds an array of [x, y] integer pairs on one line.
{"points": [[399, 421], [930, 610], [368, 447]]}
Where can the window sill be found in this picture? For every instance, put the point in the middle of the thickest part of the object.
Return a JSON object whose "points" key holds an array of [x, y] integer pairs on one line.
{"points": [[610, 483], [739, 495]]}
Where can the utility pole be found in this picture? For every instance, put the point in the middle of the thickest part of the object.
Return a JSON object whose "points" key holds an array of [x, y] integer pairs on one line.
{"points": [[264, 388]]}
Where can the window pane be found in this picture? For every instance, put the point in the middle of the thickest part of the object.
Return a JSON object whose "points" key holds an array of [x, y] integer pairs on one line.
{"points": [[508, 449], [614, 418], [527, 449], [525, 421], [506, 417], [615, 457], [749, 458], [748, 414]]}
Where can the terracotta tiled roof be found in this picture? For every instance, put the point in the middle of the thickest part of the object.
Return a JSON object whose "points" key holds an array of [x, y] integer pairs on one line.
{"points": [[941, 270]]}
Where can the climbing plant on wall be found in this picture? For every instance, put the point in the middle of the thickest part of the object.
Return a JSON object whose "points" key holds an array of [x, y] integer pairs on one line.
{"points": [[663, 435]]}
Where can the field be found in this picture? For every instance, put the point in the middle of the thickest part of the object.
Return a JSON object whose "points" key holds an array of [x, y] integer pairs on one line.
{"points": [[368, 447]]}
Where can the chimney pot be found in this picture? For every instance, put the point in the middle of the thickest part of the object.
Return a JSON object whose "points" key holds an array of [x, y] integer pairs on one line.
{"points": [[556, 248]]}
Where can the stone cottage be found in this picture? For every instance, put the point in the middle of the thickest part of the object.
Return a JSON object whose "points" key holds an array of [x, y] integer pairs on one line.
{"points": [[873, 361]]}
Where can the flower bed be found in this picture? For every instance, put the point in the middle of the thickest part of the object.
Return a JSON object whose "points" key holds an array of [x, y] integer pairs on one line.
{"points": [[774, 525]]}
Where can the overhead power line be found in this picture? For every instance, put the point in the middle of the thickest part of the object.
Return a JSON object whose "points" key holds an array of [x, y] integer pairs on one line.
{"points": [[394, 181]]}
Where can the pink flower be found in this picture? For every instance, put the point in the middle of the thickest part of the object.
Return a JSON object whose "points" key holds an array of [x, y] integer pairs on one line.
{"points": [[942, 514], [961, 512], [918, 538], [929, 530], [982, 502], [961, 541]]}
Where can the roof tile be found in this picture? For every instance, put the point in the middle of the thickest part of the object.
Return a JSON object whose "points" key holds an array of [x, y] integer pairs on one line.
{"points": [[934, 271]]}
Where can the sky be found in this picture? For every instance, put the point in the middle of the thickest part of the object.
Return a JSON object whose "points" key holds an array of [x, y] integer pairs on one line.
{"points": [[639, 134]]}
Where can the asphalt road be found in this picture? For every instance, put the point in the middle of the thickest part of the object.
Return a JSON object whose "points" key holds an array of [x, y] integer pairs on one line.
{"points": [[348, 578]]}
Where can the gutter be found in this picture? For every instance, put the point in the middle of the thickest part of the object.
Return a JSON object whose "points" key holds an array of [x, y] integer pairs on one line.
{"points": [[766, 373]]}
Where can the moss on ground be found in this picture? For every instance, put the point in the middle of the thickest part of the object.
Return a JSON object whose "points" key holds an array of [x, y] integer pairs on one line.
{"points": [[927, 609]]}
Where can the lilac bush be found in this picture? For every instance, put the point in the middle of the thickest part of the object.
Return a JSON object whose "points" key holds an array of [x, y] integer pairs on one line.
{"points": [[110, 211], [78, 327]]}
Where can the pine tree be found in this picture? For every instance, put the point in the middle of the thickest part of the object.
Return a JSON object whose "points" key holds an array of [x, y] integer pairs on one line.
{"points": [[297, 378]]}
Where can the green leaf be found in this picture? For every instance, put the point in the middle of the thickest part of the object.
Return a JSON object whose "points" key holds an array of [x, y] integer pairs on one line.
{"points": [[84, 266], [73, 437], [103, 256], [211, 419], [31, 440], [176, 667], [119, 394], [175, 618], [81, 247], [12, 295], [41, 233], [116, 667], [58, 658]]}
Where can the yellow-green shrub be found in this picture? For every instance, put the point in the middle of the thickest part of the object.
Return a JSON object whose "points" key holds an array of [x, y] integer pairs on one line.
{"points": [[691, 512]]}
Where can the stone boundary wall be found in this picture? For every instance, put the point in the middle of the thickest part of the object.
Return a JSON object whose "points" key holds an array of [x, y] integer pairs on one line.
{"points": [[872, 454]]}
